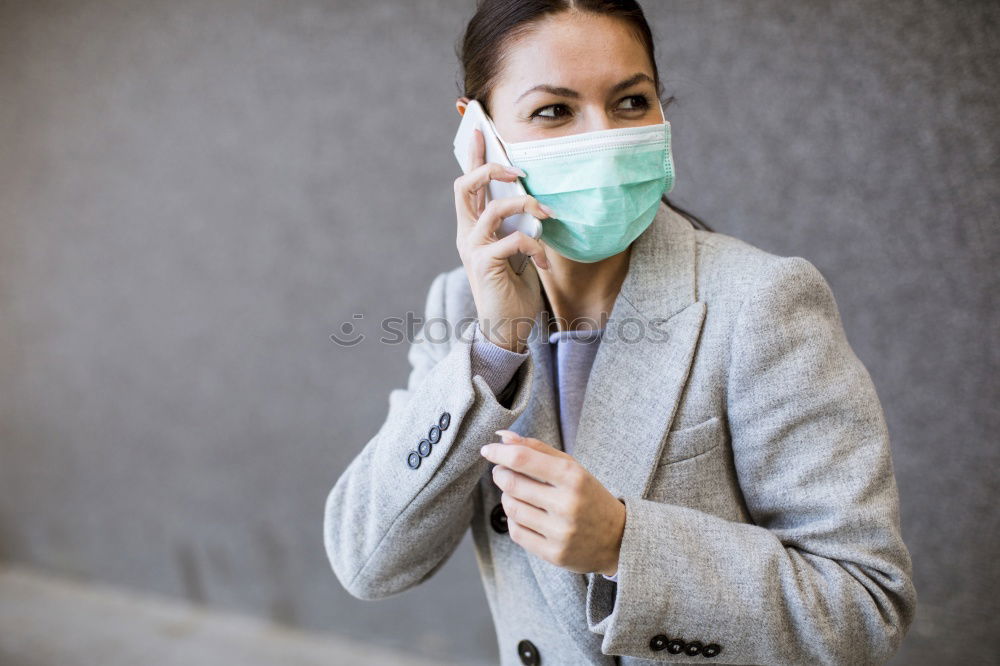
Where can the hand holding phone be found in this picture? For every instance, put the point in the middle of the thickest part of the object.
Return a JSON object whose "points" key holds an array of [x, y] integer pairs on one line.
{"points": [[507, 300], [476, 118]]}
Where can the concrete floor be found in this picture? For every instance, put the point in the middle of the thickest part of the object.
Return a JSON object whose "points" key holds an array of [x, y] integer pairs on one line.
{"points": [[47, 621]]}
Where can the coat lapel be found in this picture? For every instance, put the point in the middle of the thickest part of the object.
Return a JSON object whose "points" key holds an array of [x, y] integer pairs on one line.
{"points": [[635, 385], [642, 364]]}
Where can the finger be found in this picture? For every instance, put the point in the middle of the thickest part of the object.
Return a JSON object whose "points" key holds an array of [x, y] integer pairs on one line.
{"points": [[524, 488], [477, 150], [516, 242], [528, 539], [470, 189], [524, 514], [499, 209], [478, 159], [524, 459], [480, 202], [509, 436]]}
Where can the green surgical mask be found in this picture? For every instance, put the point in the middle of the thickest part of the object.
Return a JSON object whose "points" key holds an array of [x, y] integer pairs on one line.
{"points": [[605, 186]]}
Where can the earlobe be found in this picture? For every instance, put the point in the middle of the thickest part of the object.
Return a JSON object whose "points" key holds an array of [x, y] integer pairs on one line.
{"points": [[461, 104]]}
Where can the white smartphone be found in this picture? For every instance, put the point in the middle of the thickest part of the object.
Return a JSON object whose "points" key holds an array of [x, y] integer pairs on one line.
{"points": [[475, 117]]}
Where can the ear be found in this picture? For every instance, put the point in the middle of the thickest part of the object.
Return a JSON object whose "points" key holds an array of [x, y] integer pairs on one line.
{"points": [[461, 103]]}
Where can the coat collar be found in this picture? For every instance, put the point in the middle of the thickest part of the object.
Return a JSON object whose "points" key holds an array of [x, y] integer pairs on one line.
{"points": [[635, 386]]}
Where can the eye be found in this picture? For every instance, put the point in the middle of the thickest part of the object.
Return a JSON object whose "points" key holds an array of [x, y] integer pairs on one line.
{"points": [[539, 113], [639, 102]]}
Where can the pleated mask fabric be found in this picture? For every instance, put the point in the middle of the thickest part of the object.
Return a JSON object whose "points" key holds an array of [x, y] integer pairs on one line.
{"points": [[605, 185]]}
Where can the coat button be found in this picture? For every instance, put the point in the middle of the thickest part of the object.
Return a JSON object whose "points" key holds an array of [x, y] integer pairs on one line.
{"points": [[528, 653], [424, 447], [711, 650], [434, 435], [675, 646], [693, 648], [413, 459], [444, 421], [658, 642], [498, 519]]}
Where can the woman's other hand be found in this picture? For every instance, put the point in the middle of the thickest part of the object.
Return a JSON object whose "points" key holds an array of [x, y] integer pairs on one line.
{"points": [[555, 508], [506, 302]]}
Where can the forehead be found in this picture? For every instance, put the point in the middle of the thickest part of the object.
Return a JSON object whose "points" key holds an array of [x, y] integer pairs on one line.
{"points": [[586, 52]]}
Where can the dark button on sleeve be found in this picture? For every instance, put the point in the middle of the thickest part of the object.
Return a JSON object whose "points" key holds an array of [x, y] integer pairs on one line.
{"points": [[675, 646], [444, 421], [528, 653], [498, 519], [657, 642], [413, 459], [692, 648], [711, 650], [424, 448], [434, 435]]}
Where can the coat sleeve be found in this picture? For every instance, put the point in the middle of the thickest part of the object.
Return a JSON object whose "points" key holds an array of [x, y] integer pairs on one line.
{"points": [[821, 575], [388, 527]]}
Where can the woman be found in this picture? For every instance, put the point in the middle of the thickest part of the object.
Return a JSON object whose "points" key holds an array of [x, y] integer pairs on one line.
{"points": [[722, 490]]}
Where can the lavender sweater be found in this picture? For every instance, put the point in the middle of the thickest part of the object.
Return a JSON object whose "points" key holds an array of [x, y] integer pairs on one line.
{"points": [[572, 355]]}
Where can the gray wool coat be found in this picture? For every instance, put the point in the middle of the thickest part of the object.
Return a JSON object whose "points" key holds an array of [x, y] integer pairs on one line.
{"points": [[729, 413]]}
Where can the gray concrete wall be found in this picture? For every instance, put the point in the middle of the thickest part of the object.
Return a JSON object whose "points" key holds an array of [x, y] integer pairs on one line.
{"points": [[195, 195], [49, 620]]}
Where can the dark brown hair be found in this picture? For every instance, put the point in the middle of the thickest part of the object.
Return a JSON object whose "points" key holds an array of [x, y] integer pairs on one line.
{"points": [[498, 23]]}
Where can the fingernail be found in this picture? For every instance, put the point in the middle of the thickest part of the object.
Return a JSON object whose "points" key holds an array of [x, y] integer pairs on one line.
{"points": [[516, 171], [549, 211], [509, 434], [483, 449]]}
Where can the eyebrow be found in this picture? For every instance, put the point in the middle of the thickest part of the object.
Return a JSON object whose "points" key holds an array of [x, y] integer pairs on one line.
{"points": [[568, 92]]}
